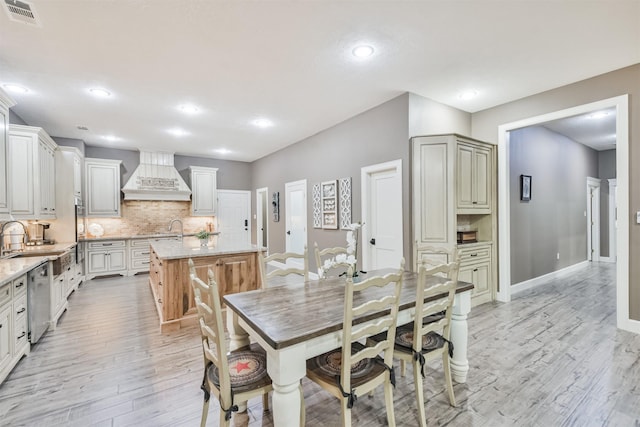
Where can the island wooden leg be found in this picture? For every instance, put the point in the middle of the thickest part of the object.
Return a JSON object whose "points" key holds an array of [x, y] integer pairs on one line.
{"points": [[238, 337], [459, 336]]}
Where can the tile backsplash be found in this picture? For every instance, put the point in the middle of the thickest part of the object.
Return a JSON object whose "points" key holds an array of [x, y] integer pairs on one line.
{"points": [[142, 217]]}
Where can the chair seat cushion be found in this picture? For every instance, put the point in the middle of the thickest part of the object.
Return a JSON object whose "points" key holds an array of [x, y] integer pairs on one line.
{"points": [[404, 340], [328, 365], [247, 369]]}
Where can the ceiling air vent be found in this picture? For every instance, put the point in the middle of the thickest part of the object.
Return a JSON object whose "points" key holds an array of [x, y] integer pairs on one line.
{"points": [[20, 11]]}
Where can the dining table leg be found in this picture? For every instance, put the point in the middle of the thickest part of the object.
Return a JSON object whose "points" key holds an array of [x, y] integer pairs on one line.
{"points": [[286, 368], [460, 336]]}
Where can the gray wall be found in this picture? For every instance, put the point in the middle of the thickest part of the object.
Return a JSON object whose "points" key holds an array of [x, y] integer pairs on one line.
{"points": [[70, 142], [553, 221], [378, 135], [375, 136], [606, 171], [624, 81], [15, 119]]}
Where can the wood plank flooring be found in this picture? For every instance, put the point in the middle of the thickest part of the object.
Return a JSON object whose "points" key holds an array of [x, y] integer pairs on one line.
{"points": [[551, 357]]}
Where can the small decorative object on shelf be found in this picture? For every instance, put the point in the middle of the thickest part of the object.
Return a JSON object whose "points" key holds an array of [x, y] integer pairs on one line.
{"points": [[204, 237]]}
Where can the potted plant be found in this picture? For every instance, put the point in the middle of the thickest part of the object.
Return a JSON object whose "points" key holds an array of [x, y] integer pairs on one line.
{"points": [[203, 236]]}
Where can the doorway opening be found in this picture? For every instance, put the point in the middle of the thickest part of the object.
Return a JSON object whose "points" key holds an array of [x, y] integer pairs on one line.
{"points": [[262, 216], [621, 105]]}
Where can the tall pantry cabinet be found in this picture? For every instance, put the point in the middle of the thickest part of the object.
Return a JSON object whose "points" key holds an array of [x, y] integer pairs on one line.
{"points": [[454, 189]]}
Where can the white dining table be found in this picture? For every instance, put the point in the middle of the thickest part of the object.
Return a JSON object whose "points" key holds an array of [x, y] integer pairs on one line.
{"points": [[295, 322]]}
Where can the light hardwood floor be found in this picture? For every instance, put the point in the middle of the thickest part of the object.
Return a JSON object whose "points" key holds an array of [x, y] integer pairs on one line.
{"points": [[552, 357]]}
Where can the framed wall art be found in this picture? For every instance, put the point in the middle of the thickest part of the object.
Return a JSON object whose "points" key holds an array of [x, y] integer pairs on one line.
{"points": [[329, 204]]}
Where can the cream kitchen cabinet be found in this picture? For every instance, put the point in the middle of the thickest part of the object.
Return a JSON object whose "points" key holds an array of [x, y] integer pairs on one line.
{"points": [[106, 257], [473, 178], [77, 177], [5, 104], [102, 184], [32, 173], [14, 326], [204, 193], [454, 187], [139, 252]]}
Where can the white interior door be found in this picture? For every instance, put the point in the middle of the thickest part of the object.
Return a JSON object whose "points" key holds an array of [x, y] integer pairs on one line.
{"points": [[593, 219], [382, 239], [262, 215], [613, 213], [296, 216], [234, 211]]}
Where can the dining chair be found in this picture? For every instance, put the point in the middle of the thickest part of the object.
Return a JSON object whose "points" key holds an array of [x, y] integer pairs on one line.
{"points": [[323, 255], [432, 336], [435, 255], [233, 377], [283, 258], [356, 369]]}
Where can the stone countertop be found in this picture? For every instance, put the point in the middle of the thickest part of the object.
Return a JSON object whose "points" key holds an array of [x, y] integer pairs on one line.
{"points": [[13, 268], [190, 247], [45, 250], [138, 236]]}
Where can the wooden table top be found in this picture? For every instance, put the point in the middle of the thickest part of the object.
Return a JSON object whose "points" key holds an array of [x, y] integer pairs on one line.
{"points": [[286, 315]]}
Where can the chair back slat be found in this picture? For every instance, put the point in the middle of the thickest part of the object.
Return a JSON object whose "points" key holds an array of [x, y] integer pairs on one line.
{"points": [[323, 255], [373, 294], [282, 258], [212, 327], [444, 293]]}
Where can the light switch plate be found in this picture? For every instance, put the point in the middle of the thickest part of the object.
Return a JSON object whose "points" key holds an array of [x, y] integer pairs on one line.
{"points": [[638, 217]]}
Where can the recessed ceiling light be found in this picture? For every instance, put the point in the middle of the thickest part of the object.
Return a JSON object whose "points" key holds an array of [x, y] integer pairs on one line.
{"points": [[15, 88], [223, 151], [467, 95], [99, 92], [178, 132], [598, 115], [188, 108], [363, 51], [111, 138], [263, 123]]}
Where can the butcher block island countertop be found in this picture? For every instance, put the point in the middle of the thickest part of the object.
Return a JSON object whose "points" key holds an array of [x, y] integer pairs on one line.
{"points": [[235, 268]]}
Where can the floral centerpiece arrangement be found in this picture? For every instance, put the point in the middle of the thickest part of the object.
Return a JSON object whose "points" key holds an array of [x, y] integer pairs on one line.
{"points": [[349, 259]]}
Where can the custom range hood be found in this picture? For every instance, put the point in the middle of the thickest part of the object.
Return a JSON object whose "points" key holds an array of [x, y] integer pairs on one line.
{"points": [[156, 179]]}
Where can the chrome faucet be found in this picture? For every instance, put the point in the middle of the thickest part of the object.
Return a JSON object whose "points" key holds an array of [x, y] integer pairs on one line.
{"points": [[24, 237], [181, 226]]}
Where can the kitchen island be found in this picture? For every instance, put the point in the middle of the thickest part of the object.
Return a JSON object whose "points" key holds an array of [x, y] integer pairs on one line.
{"points": [[235, 268]]}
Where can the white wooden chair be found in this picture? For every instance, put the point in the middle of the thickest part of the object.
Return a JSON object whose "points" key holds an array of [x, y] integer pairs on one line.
{"points": [[324, 254], [354, 369], [432, 336], [283, 258], [233, 377]]}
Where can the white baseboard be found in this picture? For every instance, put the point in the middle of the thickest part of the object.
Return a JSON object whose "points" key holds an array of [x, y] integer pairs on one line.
{"points": [[631, 326], [607, 259], [281, 266], [545, 278]]}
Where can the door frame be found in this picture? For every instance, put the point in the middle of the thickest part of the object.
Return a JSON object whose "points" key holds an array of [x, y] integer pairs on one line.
{"points": [[260, 213], [365, 183], [287, 215], [593, 219], [248, 194], [613, 213], [621, 103]]}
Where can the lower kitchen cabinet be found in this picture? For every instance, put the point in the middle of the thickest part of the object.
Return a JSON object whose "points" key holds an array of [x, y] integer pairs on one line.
{"points": [[475, 267], [14, 324], [106, 257], [139, 252]]}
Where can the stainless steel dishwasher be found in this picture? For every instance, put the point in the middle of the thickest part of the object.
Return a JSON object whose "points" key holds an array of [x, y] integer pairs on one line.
{"points": [[39, 300]]}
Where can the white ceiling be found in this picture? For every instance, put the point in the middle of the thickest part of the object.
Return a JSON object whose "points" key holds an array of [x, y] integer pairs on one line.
{"points": [[596, 129], [291, 61]]}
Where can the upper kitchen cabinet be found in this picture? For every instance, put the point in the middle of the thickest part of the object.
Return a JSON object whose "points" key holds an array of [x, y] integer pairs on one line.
{"points": [[77, 176], [474, 166], [5, 104], [204, 193], [32, 173], [102, 178]]}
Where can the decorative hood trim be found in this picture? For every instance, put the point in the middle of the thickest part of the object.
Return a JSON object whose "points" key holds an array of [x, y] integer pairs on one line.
{"points": [[156, 179]]}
